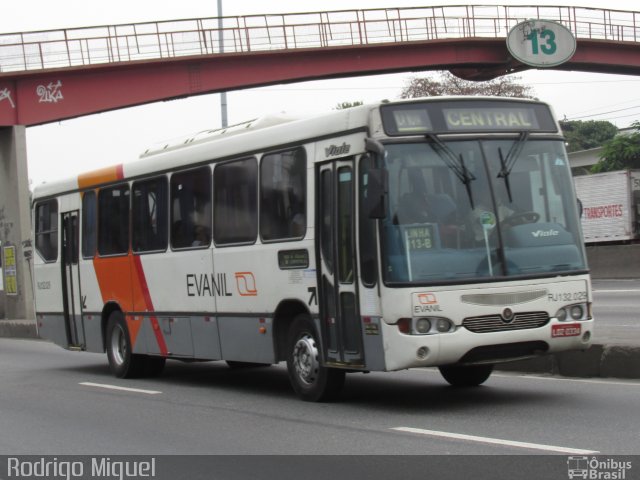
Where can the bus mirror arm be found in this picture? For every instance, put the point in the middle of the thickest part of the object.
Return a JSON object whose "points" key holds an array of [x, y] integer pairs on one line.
{"points": [[373, 145], [377, 190], [378, 183]]}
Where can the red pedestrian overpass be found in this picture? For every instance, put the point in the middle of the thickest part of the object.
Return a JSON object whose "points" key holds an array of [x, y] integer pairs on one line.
{"points": [[53, 75]]}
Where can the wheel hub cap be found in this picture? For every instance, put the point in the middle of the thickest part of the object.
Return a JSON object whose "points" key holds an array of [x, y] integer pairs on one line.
{"points": [[305, 359], [118, 345]]}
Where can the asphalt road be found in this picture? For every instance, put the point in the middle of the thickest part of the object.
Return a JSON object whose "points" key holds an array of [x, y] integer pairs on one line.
{"points": [[57, 402]]}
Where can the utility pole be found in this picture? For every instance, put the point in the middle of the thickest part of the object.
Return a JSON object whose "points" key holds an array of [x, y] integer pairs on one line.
{"points": [[223, 95]]}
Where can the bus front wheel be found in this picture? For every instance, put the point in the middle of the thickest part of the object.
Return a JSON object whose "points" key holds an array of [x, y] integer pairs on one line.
{"points": [[310, 380], [466, 375]]}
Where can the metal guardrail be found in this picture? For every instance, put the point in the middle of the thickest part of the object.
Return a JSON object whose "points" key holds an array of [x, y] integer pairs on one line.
{"points": [[259, 33]]}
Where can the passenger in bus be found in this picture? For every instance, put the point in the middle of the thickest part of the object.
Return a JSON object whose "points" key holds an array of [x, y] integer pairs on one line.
{"points": [[445, 214], [298, 225], [201, 236], [412, 205]]}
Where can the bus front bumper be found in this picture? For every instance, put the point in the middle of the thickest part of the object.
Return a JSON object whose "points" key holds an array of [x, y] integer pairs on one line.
{"points": [[465, 347]]}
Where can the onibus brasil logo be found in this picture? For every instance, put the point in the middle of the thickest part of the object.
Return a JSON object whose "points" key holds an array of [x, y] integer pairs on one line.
{"points": [[597, 469]]}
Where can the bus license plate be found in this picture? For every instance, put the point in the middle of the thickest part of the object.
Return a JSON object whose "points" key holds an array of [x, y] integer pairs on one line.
{"points": [[570, 330]]}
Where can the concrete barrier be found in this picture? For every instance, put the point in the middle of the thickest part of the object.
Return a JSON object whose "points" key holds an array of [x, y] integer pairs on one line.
{"points": [[18, 329], [614, 261], [619, 361]]}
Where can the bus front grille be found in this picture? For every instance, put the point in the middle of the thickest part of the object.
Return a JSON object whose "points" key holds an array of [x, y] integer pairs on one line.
{"points": [[496, 323]]}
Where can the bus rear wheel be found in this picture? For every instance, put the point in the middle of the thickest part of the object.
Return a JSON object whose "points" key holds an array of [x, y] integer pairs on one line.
{"points": [[122, 362], [311, 381], [466, 375]]}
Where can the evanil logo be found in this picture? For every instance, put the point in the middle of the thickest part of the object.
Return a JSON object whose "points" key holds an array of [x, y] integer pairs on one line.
{"points": [[545, 233]]}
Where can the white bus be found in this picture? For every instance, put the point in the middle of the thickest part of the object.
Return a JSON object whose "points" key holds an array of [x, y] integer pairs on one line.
{"points": [[434, 232]]}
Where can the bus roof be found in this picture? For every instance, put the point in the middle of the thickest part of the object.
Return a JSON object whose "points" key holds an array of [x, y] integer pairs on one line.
{"points": [[261, 134]]}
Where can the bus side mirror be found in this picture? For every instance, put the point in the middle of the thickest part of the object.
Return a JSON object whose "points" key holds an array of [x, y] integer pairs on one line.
{"points": [[377, 189]]}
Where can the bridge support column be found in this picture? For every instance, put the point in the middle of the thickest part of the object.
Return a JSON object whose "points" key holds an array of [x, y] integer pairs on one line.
{"points": [[15, 225]]}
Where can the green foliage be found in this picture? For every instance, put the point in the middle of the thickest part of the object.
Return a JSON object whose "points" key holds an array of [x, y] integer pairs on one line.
{"points": [[583, 135], [621, 152], [345, 105], [448, 84]]}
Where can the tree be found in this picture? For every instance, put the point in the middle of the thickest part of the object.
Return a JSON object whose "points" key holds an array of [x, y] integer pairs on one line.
{"points": [[345, 105], [585, 135], [448, 84], [621, 152]]}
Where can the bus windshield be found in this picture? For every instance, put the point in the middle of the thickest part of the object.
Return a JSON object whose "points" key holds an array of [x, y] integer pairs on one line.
{"points": [[481, 209]]}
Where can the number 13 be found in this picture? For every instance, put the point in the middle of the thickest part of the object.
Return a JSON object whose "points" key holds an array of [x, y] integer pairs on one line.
{"points": [[548, 47]]}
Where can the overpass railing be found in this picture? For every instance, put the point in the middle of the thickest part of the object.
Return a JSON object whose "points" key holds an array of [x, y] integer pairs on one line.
{"points": [[260, 33]]}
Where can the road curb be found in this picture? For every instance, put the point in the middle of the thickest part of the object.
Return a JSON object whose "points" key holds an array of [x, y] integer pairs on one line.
{"points": [[618, 361], [18, 329]]}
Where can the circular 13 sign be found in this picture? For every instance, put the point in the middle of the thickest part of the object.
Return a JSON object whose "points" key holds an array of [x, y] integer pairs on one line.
{"points": [[541, 43]]}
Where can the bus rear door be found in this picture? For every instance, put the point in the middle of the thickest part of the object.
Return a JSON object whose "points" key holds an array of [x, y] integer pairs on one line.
{"points": [[340, 318], [72, 297]]}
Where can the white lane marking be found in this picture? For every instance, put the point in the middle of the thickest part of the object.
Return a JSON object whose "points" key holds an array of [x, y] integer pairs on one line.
{"points": [[495, 441], [116, 387]]}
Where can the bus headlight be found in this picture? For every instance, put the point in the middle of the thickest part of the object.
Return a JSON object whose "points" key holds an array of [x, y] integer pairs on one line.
{"points": [[444, 325], [423, 326], [576, 312], [561, 315]]}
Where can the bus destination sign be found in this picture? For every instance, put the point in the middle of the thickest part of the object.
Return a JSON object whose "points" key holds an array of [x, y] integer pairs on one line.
{"points": [[477, 119], [453, 116]]}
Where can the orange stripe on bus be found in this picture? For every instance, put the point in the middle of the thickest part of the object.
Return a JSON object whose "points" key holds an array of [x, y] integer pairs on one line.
{"points": [[114, 279], [141, 283], [101, 176], [134, 324], [122, 280]]}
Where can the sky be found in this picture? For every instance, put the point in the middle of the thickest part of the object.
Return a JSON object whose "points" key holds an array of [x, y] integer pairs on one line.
{"points": [[69, 147]]}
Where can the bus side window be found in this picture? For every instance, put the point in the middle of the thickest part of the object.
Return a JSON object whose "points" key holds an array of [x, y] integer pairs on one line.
{"points": [[236, 202], [150, 216], [47, 230], [191, 208], [89, 224], [282, 195], [113, 220]]}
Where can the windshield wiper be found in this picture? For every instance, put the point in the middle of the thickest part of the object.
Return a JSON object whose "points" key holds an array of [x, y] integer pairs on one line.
{"points": [[507, 163], [454, 163]]}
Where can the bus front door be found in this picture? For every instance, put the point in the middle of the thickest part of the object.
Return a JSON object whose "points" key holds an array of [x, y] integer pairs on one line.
{"points": [[72, 298], [340, 319]]}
